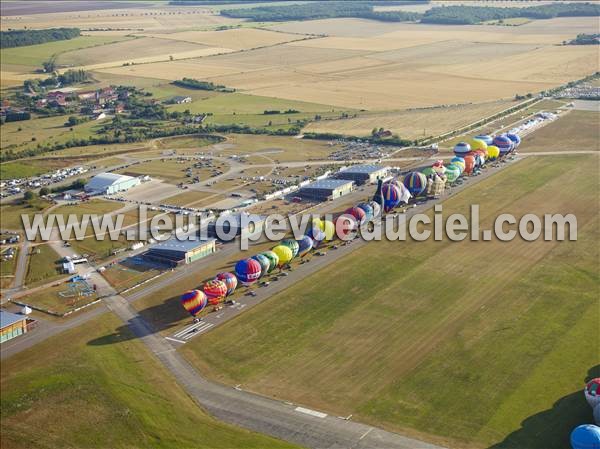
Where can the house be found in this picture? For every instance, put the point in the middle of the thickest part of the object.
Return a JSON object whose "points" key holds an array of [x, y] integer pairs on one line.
{"points": [[87, 95], [57, 98], [180, 100]]}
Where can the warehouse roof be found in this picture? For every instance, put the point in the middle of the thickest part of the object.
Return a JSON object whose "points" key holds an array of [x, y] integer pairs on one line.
{"points": [[327, 183], [365, 168], [8, 318], [173, 244], [104, 180]]}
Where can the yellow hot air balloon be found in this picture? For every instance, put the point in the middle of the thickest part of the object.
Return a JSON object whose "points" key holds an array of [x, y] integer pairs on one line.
{"points": [[328, 229], [284, 253], [477, 144], [493, 152]]}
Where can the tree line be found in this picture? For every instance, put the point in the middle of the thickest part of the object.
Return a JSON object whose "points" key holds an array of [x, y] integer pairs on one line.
{"points": [[21, 38], [585, 39], [191, 83]]}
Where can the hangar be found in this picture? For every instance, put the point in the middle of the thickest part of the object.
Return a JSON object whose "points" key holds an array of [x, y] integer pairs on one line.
{"points": [[231, 226], [326, 189], [363, 174], [175, 252], [12, 325], [110, 183]]}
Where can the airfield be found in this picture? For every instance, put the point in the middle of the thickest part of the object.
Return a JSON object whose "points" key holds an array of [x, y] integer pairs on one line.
{"points": [[384, 344]]}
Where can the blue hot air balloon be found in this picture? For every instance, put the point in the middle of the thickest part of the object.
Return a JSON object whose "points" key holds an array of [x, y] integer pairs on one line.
{"points": [[264, 262], [248, 271], [484, 137], [368, 210], [391, 196], [504, 144], [461, 149], [586, 436], [515, 139], [305, 244], [415, 182]]}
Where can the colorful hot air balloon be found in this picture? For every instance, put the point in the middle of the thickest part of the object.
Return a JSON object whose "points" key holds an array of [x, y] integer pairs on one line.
{"points": [[284, 253], [592, 392], [273, 260], [462, 148], [305, 244], [458, 159], [586, 436], [485, 138], [376, 208], [291, 244], [452, 172], [345, 225], [469, 164], [391, 196], [366, 207], [230, 281], [215, 290], [493, 152], [504, 144], [415, 182], [429, 171], [477, 144], [515, 139], [194, 301], [317, 235], [264, 262], [357, 213], [328, 228], [248, 271]]}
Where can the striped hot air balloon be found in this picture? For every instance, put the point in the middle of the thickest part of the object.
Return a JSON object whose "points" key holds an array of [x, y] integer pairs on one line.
{"points": [[485, 138], [462, 148], [305, 244], [415, 182], [215, 290], [248, 271], [291, 244], [452, 172], [515, 139], [264, 262], [366, 207], [391, 196], [504, 144], [194, 301], [357, 213], [273, 260], [230, 281]]}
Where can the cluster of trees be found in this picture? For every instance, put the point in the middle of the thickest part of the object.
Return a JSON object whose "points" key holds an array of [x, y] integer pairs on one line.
{"points": [[322, 10], [64, 79], [277, 111], [586, 39], [191, 83], [20, 38], [468, 15], [375, 139]]}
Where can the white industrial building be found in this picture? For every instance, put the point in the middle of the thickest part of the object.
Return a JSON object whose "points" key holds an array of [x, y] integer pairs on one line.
{"points": [[110, 183]]}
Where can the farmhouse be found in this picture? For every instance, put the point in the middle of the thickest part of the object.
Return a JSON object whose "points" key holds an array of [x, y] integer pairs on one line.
{"points": [[13, 325], [175, 252], [362, 174], [180, 100], [326, 189], [110, 183]]}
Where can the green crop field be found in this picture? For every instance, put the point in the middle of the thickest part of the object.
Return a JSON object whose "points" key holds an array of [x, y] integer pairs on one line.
{"points": [[93, 207], [472, 344], [97, 387], [35, 55], [43, 265]]}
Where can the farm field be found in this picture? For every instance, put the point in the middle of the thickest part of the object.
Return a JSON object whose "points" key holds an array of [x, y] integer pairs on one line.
{"points": [[42, 265], [114, 393], [582, 127], [92, 207], [10, 213], [412, 124], [411, 326]]}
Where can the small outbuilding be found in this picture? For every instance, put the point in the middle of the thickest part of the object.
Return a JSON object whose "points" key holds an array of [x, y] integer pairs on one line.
{"points": [[12, 325]]}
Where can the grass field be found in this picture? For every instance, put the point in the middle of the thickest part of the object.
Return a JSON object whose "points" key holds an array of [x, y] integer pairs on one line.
{"points": [[42, 265], [170, 170], [92, 207], [97, 387], [472, 343], [10, 213], [582, 127], [35, 55]]}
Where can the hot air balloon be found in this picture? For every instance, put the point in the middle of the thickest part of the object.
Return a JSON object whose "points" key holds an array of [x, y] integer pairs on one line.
{"points": [[415, 182], [264, 262], [452, 172], [378, 196], [305, 244], [391, 196], [586, 436], [273, 260], [215, 290], [504, 144], [291, 244], [485, 138], [477, 144], [357, 213], [328, 229], [248, 271], [462, 148], [284, 253], [458, 159], [493, 152], [345, 225], [376, 208], [592, 392], [230, 281], [317, 235], [469, 164], [428, 171], [366, 207], [515, 139], [194, 301]]}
